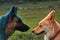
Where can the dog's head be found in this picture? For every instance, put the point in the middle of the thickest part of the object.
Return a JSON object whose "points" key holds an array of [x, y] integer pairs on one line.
{"points": [[14, 22], [46, 24]]}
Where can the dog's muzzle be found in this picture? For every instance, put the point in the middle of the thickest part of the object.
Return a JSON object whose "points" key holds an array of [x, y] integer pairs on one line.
{"points": [[22, 28], [38, 33]]}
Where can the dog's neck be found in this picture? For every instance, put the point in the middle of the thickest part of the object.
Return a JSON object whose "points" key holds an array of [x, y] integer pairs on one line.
{"points": [[3, 36], [53, 32], [56, 29]]}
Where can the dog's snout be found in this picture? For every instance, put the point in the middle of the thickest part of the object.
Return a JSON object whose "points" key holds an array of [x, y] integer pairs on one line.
{"points": [[33, 31], [22, 27]]}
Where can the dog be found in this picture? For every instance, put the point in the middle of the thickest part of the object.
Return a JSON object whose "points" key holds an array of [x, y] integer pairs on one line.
{"points": [[50, 26], [11, 22]]}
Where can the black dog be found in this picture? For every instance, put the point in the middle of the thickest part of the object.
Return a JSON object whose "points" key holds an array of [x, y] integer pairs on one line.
{"points": [[11, 22]]}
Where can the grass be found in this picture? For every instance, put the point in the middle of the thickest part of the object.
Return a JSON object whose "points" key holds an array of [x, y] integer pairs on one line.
{"points": [[31, 17]]}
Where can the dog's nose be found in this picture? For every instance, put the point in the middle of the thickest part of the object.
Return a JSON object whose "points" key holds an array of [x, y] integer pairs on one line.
{"points": [[33, 31]]}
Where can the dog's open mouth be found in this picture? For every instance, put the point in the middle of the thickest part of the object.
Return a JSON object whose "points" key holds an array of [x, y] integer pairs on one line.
{"points": [[40, 33]]}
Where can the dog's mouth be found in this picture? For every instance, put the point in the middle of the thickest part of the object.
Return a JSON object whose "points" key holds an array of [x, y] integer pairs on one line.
{"points": [[39, 33]]}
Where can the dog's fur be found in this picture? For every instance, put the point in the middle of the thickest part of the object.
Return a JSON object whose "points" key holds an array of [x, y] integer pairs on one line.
{"points": [[50, 26], [13, 23]]}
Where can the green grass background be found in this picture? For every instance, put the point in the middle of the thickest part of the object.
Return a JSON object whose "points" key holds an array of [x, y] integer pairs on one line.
{"points": [[31, 17]]}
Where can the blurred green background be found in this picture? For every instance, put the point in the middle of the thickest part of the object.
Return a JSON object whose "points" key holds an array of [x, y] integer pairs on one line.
{"points": [[31, 13]]}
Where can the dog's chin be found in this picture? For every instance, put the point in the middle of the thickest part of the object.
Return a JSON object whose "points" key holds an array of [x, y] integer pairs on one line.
{"points": [[39, 33]]}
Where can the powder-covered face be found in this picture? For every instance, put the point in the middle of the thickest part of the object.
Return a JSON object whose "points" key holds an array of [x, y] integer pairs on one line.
{"points": [[46, 24]]}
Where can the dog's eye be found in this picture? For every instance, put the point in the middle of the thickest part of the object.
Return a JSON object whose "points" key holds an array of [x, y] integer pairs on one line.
{"points": [[17, 21], [40, 26]]}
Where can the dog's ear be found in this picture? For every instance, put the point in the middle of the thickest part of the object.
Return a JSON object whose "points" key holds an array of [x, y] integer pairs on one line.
{"points": [[12, 13], [51, 15]]}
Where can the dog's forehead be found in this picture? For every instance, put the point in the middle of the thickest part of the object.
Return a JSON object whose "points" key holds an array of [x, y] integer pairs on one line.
{"points": [[18, 18], [43, 21]]}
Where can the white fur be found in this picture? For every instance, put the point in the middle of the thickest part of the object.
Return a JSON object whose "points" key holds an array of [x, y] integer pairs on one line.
{"points": [[49, 34]]}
